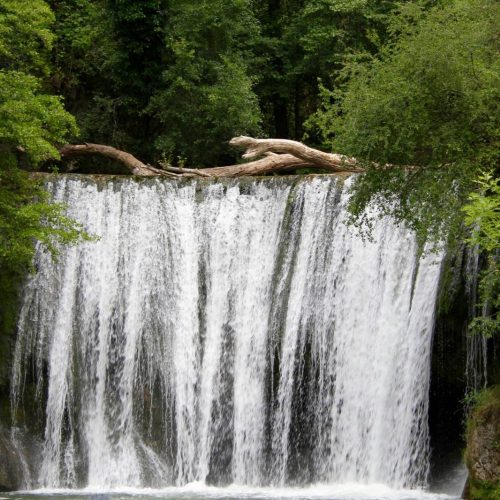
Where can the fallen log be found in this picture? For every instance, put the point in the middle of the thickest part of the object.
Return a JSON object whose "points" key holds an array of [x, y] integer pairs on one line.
{"points": [[330, 161], [278, 155], [135, 166]]}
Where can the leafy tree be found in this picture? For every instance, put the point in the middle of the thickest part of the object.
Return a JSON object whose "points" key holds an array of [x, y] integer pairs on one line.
{"points": [[32, 123], [25, 36], [326, 35], [106, 61], [430, 100], [157, 78], [307, 41], [206, 95], [30, 119], [26, 216], [138, 33], [428, 109], [482, 215], [83, 55], [178, 78]]}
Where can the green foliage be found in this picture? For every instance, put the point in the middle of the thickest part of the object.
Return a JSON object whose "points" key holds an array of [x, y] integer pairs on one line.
{"points": [[487, 322], [482, 400], [482, 215], [160, 79], [483, 490], [199, 119], [84, 50], [305, 41], [30, 119], [178, 78], [108, 60], [485, 411], [27, 216], [327, 32], [430, 100], [206, 95], [25, 35], [32, 124]]}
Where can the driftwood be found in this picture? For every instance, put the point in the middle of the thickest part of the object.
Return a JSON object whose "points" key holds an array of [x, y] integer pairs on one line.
{"points": [[278, 155]]}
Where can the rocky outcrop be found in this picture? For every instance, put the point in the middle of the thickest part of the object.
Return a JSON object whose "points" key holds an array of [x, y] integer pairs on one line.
{"points": [[483, 447], [11, 466]]}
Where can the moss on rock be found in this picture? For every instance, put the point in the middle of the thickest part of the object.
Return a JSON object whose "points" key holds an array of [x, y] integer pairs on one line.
{"points": [[483, 446]]}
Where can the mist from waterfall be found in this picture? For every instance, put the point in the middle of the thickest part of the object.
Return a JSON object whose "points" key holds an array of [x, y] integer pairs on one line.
{"points": [[228, 332]]}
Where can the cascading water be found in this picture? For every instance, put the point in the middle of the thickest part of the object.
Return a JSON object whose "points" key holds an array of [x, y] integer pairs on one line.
{"points": [[476, 370], [228, 333]]}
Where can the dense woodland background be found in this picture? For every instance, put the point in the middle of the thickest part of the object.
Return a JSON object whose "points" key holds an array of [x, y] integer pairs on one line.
{"points": [[405, 83]]}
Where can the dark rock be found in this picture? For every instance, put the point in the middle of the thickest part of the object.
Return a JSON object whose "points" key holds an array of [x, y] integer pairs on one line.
{"points": [[11, 467], [483, 445]]}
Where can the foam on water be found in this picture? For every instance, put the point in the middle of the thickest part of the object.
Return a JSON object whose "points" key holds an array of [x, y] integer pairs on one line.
{"points": [[195, 491]]}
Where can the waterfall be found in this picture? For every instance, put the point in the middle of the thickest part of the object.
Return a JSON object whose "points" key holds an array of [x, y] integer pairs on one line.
{"points": [[228, 332], [476, 369]]}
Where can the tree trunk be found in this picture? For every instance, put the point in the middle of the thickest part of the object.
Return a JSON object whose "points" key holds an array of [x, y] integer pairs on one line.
{"points": [[278, 155]]}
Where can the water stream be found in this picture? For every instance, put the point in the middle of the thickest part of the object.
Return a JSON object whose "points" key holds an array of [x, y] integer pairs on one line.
{"points": [[229, 333]]}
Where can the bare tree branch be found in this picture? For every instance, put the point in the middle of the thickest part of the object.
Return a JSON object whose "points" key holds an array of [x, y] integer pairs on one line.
{"points": [[278, 155]]}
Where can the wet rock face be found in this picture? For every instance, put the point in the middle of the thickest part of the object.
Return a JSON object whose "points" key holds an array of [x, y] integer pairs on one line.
{"points": [[11, 472], [483, 452]]}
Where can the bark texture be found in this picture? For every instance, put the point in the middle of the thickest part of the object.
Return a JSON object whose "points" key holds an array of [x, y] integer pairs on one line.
{"points": [[269, 155]]}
